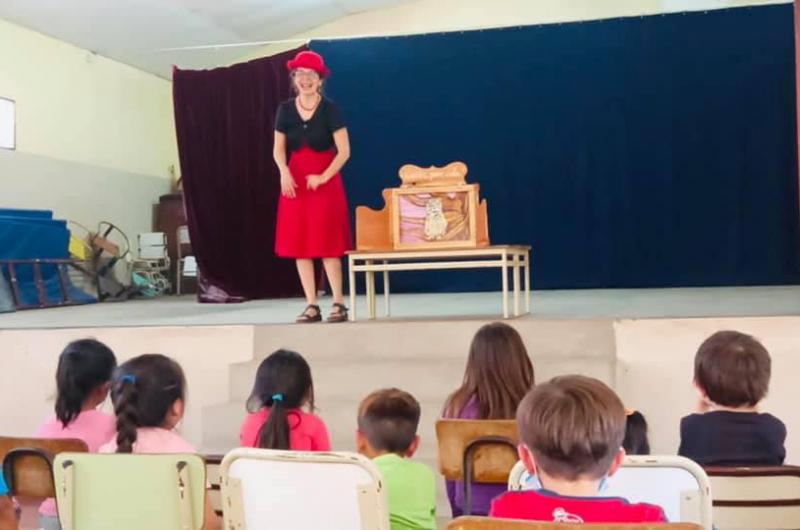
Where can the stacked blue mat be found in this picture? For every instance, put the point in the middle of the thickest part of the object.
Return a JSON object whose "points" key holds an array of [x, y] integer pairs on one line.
{"points": [[34, 234]]}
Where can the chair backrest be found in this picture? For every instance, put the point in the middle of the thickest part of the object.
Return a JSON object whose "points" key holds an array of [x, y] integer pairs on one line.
{"points": [[27, 463], [306, 491], [493, 443], [486, 523], [130, 491], [677, 484], [756, 497]]}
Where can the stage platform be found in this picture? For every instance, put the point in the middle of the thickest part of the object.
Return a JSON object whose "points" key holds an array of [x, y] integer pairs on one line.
{"points": [[640, 341], [555, 304]]}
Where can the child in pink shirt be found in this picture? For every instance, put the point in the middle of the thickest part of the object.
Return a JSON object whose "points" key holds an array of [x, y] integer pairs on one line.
{"points": [[283, 386], [149, 395], [82, 380]]}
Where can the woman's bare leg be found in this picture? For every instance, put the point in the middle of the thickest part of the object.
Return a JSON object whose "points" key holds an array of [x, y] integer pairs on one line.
{"points": [[305, 268], [333, 269]]}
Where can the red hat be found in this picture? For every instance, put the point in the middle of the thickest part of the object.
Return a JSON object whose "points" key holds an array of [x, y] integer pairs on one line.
{"points": [[310, 60]]}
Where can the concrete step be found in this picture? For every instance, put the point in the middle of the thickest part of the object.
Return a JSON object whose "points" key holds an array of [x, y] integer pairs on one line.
{"points": [[427, 379]]}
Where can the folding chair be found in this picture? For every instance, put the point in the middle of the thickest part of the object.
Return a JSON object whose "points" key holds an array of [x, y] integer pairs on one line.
{"points": [[476, 451], [28, 464], [677, 484], [186, 266], [302, 490], [130, 491], [756, 497], [485, 523]]}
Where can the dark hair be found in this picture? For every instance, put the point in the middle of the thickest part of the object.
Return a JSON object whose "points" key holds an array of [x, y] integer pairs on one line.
{"points": [[144, 390], [733, 369], [83, 366], [283, 382], [635, 441], [498, 375], [573, 425], [389, 419]]}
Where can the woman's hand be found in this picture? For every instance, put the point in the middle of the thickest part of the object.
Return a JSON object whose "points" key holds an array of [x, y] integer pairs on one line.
{"points": [[315, 181], [288, 185]]}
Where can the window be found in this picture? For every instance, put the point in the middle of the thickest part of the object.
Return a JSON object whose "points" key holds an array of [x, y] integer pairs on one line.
{"points": [[7, 124]]}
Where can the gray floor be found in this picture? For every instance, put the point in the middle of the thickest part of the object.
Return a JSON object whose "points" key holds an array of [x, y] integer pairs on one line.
{"points": [[598, 303]]}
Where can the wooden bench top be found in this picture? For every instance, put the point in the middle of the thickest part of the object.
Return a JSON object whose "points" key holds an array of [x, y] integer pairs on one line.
{"points": [[439, 252]]}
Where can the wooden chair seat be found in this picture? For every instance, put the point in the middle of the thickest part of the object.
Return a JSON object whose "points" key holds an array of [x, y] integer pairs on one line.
{"points": [[476, 451], [28, 463]]}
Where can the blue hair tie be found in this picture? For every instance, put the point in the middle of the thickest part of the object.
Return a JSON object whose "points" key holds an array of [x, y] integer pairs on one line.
{"points": [[128, 378], [277, 397]]}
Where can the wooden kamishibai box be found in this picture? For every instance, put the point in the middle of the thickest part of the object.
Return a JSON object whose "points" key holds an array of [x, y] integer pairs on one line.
{"points": [[434, 208]]}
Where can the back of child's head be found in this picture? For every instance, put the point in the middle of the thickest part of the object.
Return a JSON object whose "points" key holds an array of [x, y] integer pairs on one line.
{"points": [[144, 390], [732, 369], [388, 419], [83, 367], [636, 441], [498, 375], [283, 382], [573, 425]]}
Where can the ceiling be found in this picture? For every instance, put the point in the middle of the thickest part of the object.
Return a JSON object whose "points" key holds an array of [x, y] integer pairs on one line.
{"points": [[135, 32]]}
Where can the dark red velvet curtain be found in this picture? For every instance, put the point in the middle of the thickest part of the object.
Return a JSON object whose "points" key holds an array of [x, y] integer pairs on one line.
{"points": [[224, 121]]}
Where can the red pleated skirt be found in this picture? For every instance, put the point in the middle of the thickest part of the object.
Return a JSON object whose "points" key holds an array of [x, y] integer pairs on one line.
{"points": [[315, 223]]}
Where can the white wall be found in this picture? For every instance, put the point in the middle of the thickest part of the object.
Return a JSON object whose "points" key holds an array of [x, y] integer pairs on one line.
{"points": [[430, 16], [77, 106], [94, 138]]}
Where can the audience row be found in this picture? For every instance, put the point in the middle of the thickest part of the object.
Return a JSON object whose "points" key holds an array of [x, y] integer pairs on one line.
{"points": [[574, 430]]}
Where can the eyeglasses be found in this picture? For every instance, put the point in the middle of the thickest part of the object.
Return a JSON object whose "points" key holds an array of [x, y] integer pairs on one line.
{"points": [[300, 72]]}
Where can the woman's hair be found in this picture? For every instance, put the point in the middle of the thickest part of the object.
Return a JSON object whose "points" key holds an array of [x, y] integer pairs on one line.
{"points": [[636, 442], [283, 382], [143, 392], [499, 373], [83, 366]]}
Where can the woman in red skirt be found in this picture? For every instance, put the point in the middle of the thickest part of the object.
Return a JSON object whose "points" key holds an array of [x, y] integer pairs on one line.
{"points": [[311, 146]]}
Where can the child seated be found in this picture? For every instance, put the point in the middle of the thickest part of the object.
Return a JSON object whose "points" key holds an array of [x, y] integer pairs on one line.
{"points": [[572, 429], [731, 373], [283, 387], [636, 441], [387, 433], [149, 396], [83, 378], [498, 375]]}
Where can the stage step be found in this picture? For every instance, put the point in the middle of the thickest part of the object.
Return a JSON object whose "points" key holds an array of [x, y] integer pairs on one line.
{"points": [[348, 361]]}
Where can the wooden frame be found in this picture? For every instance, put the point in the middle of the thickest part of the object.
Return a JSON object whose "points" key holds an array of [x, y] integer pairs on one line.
{"points": [[471, 241], [13, 138], [514, 259]]}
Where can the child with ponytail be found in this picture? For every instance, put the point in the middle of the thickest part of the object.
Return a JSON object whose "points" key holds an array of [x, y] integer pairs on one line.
{"points": [[149, 395], [83, 378], [283, 386]]}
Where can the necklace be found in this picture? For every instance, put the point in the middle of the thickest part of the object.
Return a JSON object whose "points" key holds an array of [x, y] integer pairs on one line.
{"points": [[313, 107]]}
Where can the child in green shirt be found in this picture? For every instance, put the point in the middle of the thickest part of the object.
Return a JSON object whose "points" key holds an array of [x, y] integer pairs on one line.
{"points": [[387, 433]]}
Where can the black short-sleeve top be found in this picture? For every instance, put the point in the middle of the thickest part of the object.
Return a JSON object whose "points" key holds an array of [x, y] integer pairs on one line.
{"points": [[317, 132]]}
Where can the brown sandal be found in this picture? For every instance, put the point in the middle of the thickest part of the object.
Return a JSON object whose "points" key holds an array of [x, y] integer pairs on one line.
{"points": [[339, 314], [306, 318]]}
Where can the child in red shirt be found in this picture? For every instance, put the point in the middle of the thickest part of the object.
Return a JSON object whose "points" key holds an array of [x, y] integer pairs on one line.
{"points": [[572, 429], [283, 386]]}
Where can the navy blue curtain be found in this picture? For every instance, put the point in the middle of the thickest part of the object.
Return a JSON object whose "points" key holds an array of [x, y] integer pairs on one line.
{"points": [[638, 152]]}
